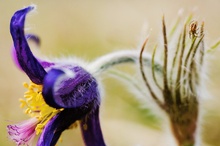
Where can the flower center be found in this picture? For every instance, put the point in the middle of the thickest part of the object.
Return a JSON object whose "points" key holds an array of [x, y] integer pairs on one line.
{"points": [[35, 106]]}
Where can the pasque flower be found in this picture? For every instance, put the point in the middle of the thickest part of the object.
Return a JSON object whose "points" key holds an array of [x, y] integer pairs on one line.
{"points": [[59, 95], [61, 92]]}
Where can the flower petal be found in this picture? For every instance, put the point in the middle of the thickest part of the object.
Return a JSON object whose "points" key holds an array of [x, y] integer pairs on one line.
{"points": [[58, 124], [14, 57], [36, 40], [25, 58], [32, 37], [70, 87], [91, 130]]}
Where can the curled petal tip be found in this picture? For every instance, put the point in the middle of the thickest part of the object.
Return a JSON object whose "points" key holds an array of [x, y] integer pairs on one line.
{"points": [[23, 11], [29, 8], [18, 19], [33, 6], [24, 56]]}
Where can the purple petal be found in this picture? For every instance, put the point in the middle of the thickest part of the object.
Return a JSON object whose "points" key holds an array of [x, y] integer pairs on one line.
{"points": [[55, 127], [36, 40], [58, 124], [70, 87], [32, 37], [14, 58], [46, 64], [91, 130], [25, 58]]}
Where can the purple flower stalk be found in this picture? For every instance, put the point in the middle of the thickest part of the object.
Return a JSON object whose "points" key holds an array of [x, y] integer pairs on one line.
{"points": [[65, 86]]}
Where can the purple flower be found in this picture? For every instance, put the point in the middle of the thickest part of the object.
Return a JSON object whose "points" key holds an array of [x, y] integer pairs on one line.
{"points": [[66, 86]]}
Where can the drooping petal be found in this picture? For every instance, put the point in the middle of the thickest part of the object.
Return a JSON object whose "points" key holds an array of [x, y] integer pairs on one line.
{"points": [[91, 129], [23, 133], [25, 58], [58, 124], [70, 87], [36, 40], [32, 37], [14, 57]]}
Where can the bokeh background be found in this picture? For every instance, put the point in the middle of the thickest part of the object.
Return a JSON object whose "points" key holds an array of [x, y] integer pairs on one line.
{"points": [[88, 29]]}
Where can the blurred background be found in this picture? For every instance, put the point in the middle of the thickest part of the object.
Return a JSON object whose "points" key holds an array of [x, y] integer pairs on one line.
{"points": [[88, 29]]}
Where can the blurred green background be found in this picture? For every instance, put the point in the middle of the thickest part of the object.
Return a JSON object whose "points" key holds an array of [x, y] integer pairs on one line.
{"points": [[89, 29]]}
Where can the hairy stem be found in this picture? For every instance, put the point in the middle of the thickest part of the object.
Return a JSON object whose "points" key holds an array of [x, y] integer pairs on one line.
{"points": [[107, 61]]}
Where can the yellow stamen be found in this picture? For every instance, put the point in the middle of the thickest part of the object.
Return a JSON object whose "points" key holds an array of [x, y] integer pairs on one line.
{"points": [[35, 106]]}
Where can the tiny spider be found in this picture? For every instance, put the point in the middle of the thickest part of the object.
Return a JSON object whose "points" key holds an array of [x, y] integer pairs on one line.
{"points": [[193, 29]]}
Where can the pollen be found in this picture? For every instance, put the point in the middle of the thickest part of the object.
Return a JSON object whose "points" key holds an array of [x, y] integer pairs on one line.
{"points": [[34, 105]]}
